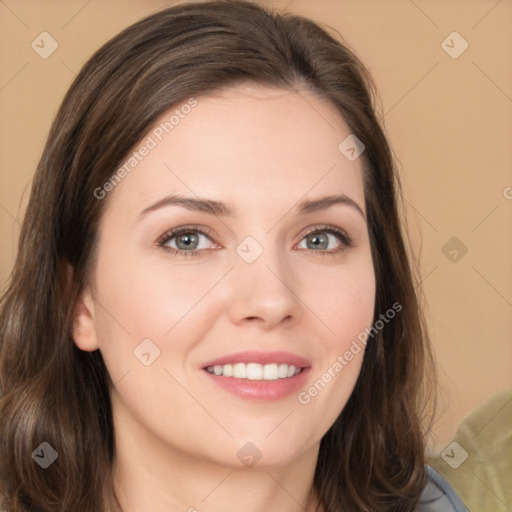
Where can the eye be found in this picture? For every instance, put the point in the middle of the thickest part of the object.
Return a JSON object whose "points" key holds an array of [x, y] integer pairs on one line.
{"points": [[321, 236], [185, 240]]}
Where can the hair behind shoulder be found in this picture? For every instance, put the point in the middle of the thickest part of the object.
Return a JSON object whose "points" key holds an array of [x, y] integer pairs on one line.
{"points": [[372, 458]]}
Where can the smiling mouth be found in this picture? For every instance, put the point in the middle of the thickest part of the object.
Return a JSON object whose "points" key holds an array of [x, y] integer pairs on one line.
{"points": [[255, 371]]}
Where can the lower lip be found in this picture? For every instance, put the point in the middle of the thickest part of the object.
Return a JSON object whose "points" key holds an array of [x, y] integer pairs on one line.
{"points": [[261, 390]]}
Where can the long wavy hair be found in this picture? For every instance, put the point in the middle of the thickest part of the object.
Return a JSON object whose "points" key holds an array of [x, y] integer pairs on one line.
{"points": [[372, 458]]}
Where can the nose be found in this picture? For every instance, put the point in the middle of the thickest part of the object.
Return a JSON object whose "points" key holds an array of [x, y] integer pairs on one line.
{"points": [[264, 292]]}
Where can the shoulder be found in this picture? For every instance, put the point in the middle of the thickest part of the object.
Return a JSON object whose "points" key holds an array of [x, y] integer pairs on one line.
{"points": [[438, 495], [483, 442]]}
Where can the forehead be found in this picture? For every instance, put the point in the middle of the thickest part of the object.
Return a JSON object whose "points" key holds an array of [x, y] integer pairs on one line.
{"points": [[242, 143]]}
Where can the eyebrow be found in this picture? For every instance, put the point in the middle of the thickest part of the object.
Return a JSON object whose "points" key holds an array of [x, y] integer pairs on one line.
{"points": [[221, 209]]}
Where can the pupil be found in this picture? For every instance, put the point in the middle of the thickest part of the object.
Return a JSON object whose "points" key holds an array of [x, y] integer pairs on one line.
{"points": [[320, 243], [188, 236]]}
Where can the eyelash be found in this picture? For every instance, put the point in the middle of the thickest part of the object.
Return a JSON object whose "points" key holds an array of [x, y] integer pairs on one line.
{"points": [[346, 241]]}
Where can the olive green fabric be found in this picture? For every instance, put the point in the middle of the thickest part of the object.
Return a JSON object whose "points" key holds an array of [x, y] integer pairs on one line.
{"points": [[478, 461]]}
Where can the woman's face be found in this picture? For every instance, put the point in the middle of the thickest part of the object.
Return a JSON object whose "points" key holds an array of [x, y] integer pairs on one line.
{"points": [[266, 290]]}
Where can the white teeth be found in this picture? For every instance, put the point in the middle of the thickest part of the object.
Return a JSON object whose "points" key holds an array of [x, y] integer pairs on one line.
{"points": [[255, 371], [282, 373], [270, 372], [239, 371]]}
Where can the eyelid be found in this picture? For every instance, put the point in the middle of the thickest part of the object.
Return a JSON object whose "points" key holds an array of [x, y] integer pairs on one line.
{"points": [[330, 229], [171, 233]]}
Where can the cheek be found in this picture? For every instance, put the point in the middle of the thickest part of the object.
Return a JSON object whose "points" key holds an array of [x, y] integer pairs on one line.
{"points": [[149, 301], [347, 309], [173, 308], [344, 303]]}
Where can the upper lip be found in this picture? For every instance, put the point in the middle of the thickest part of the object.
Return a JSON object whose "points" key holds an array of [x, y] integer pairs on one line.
{"points": [[261, 358]]}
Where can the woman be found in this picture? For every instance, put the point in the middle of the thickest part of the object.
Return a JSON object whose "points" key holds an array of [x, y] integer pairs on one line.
{"points": [[212, 302]]}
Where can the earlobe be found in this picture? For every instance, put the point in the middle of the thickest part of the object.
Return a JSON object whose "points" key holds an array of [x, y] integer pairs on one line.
{"points": [[84, 326]]}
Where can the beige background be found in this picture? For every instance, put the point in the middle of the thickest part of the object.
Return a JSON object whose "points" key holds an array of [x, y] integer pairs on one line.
{"points": [[449, 121]]}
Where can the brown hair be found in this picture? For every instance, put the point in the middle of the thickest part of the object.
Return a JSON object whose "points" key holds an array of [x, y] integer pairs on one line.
{"points": [[372, 458]]}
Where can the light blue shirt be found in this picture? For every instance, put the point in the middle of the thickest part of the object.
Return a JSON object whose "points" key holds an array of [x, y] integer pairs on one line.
{"points": [[438, 495]]}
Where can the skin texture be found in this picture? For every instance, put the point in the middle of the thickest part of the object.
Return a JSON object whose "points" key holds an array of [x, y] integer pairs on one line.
{"points": [[262, 150]]}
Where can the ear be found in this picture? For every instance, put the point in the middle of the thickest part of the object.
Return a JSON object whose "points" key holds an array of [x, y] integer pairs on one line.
{"points": [[84, 325], [83, 330]]}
